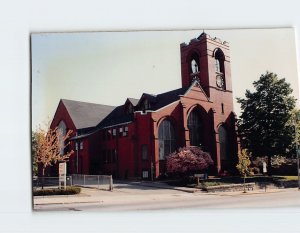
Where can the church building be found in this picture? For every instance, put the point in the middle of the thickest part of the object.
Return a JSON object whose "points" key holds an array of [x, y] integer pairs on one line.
{"points": [[132, 140]]}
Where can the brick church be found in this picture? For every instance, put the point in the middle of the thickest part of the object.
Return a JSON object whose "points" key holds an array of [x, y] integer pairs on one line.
{"points": [[132, 140]]}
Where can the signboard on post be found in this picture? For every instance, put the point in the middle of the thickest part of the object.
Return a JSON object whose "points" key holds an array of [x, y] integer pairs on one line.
{"points": [[264, 167], [298, 153], [62, 173]]}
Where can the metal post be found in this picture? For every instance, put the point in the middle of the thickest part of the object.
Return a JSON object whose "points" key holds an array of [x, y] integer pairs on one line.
{"points": [[84, 180], [77, 157], [110, 184], [297, 148], [298, 173], [98, 181]]}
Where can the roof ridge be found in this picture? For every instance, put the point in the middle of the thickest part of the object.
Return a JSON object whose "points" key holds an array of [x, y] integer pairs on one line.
{"points": [[87, 102]]}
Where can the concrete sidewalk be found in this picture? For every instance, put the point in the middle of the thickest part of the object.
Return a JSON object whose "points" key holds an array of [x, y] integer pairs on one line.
{"points": [[128, 194], [94, 195]]}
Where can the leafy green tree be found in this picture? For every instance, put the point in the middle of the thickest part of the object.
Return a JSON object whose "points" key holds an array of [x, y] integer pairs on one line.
{"points": [[243, 165], [263, 124], [294, 122]]}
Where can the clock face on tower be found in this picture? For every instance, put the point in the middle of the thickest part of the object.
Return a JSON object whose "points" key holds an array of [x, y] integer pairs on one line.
{"points": [[220, 81]]}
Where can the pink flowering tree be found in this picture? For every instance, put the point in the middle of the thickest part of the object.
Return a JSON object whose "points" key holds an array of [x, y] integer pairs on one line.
{"points": [[187, 160]]}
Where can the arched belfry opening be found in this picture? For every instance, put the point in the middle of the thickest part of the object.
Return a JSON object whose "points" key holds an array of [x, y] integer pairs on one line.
{"points": [[194, 63], [220, 69], [219, 61]]}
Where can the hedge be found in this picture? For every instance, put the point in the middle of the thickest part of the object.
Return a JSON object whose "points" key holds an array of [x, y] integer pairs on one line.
{"points": [[70, 190]]}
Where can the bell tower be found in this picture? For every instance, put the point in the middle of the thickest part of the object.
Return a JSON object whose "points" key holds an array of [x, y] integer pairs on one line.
{"points": [[208, 60]]}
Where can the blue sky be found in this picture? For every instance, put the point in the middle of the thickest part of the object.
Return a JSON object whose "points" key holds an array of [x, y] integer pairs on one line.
{"points": [[108, 67]]}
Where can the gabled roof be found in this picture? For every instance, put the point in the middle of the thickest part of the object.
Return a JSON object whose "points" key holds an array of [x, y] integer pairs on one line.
{"points": [[86, 115], [133, 101], [167, 98], [197, 84], [117, 116]]}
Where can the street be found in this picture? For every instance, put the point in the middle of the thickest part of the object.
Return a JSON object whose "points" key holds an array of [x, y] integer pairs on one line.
{"points": [[137, 197]]}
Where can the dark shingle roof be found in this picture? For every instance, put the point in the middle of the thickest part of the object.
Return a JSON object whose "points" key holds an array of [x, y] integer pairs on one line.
{"points": [[117, 116], [166, 98], [133, 101], [85, 115]]}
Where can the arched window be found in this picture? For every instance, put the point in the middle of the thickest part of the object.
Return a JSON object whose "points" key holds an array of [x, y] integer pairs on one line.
{"points": [[195, 128], [63, 130], [194, 63], [166, 137], [194, 66], [219, 61], [223, 139]]}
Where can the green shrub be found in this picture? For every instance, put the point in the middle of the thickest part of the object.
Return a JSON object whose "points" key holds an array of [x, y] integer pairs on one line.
{"points": [[70, 190]]}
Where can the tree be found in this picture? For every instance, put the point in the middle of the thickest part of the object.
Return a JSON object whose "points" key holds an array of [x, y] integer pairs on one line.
{"points": [[187, 160], [294, 122], [33, 152], [243, 165], [263, 124], [48, 147]]}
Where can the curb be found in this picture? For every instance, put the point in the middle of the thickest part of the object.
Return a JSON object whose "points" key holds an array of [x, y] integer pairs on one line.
{"points": [[72, 202], [169, 187]]}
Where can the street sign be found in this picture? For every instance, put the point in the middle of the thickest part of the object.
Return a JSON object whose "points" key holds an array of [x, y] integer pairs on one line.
{"points": [[201, 176], [62, 174]]}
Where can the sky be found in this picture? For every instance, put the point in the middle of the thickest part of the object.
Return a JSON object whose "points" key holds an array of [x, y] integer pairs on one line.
{"points": [[108, 67]]}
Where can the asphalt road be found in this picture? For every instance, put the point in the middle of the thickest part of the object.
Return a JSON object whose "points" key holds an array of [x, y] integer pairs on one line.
{"points": [[131, 197]]}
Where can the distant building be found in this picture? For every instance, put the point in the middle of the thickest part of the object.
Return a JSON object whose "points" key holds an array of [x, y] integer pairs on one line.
{"points": [[133, 140]]}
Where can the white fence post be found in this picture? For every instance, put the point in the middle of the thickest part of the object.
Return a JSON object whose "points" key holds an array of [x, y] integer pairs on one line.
{"points": [[110, 184]]}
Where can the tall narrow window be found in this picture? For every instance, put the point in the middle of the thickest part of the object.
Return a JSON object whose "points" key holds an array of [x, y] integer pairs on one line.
{"points": [[144, 152], [223, 139], [195, 128], [63, 130], [219, 61], [217, 65], [194, 66], [166, 137], [194, 63]]}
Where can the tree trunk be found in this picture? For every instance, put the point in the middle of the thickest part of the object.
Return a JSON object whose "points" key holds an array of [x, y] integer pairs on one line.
{"points": [[269, 165], [43, 175], [244, 183]]}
